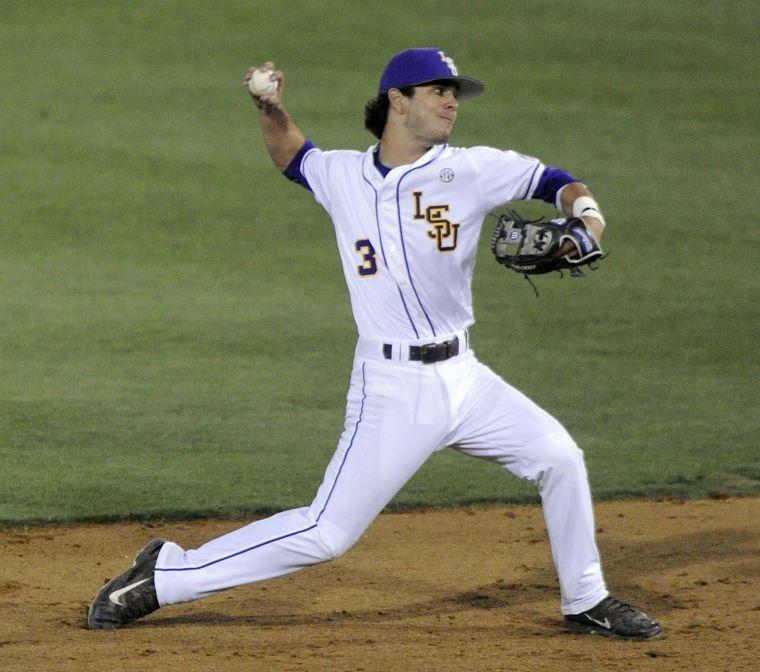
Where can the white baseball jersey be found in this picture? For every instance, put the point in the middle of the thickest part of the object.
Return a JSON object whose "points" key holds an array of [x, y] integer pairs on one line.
{"points": [[408, 241]]}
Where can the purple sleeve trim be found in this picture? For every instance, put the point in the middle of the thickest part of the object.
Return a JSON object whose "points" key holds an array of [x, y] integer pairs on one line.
{"points": [[530, 181], [550, 182], [293, 171]]}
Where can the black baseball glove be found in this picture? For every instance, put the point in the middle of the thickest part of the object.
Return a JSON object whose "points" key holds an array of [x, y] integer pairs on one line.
{"points": [[534, 247]]}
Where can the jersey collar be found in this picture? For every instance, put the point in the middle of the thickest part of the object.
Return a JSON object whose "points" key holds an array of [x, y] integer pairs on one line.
{"points": [[372, 174]]}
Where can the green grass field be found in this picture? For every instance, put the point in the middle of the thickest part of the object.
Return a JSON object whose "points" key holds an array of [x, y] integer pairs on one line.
{"points": [[175, 332]]}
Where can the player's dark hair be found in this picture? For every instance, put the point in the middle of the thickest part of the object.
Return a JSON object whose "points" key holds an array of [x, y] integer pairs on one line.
{"points": [[376, 111]]}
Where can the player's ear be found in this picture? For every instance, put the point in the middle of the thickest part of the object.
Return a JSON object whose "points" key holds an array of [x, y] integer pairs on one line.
{"points": [[397, 101]]}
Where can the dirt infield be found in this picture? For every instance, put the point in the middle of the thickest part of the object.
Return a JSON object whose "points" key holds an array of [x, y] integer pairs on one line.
{"points": [[435, 590]]}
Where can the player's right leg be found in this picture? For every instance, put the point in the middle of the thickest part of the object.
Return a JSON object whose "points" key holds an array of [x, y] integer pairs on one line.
{"points": [[382, 446]]}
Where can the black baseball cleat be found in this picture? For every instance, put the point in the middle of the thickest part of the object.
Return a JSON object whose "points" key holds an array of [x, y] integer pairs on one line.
{"points": [[613, 618], [130, 595]]}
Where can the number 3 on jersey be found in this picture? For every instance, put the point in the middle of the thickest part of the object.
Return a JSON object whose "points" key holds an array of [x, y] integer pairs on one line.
{"points": [[367, 250]]}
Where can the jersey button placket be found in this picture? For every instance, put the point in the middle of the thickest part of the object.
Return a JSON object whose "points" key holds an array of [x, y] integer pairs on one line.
{"points": [[398, 263], [395, 258]]}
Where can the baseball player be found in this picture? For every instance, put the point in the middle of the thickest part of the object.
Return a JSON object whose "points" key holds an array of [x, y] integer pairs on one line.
{"points": [[407, 214]]}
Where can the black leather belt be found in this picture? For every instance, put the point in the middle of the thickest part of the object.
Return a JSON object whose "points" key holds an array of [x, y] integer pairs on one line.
{"points": [[428, 353]]}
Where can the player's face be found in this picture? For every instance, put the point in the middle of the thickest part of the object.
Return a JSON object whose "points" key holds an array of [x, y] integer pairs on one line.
{"points": [[432, 112]]}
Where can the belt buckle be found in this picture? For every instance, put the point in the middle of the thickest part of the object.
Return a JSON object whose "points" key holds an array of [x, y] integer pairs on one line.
{"points": [[429, 353], [439, 352]]}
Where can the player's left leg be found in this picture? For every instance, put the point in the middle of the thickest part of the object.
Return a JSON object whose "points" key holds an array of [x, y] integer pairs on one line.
{"points": [[496, 422]]}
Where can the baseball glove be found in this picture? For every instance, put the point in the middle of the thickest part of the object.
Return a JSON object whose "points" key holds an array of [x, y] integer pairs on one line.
{"points": [[535, 247]]}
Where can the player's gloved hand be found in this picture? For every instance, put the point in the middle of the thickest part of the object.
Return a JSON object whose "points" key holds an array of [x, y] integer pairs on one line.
{"points": [[535, 247]]}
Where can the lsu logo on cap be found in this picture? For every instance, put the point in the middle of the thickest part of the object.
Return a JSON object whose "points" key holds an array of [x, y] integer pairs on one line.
{"points": [[449, 63]]}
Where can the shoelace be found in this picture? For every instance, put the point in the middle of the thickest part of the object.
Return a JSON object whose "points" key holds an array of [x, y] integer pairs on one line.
{"points": [[615, 607]]}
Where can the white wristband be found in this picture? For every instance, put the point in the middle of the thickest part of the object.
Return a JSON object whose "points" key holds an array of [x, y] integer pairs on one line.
{"points": [[585, 206]]}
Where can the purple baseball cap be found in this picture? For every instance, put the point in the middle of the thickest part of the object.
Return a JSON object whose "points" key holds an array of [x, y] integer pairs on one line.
{"points": [[422, 66]]}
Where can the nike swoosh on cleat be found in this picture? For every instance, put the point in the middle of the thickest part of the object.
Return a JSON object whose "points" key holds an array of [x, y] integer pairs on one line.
{"points": [[116, 594], [605, 623]]}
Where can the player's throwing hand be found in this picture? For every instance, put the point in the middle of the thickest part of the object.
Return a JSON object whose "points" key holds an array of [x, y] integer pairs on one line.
{"points": [[265, 85]]}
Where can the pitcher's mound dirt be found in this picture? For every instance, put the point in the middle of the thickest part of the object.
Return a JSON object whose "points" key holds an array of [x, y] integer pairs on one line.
{"points": [[434, 590]]}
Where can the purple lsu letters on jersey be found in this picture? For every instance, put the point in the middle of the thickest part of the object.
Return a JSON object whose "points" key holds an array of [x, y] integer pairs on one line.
{"points": [[408, 240]]}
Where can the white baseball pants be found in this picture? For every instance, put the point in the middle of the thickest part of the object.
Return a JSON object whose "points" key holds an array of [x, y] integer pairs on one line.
{"points": [[399, 413]]}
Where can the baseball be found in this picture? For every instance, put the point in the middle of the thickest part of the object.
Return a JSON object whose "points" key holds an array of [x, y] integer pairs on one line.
{"points": [[262, 82]]}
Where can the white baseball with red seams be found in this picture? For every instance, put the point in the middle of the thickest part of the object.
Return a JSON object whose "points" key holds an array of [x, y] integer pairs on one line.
{"points": [[407, 243]]}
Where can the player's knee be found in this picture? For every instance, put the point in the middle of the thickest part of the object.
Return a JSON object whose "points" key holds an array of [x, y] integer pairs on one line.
{"points": [[333, 541], [339, 547], [562, 453]]}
